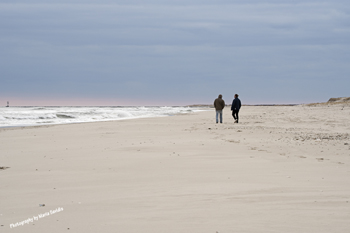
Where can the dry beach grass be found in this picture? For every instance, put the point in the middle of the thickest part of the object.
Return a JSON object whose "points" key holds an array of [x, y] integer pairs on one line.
{"points": [[281, 169], [342, 101]]}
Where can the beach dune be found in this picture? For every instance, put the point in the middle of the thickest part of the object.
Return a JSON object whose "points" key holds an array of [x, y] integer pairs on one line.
{"points": [[281, 169]]}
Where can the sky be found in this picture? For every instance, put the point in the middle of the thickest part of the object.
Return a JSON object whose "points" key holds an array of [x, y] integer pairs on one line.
{"points": [[179, 52]]}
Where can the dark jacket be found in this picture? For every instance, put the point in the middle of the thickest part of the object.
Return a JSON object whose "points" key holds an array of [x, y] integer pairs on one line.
{"points": [[236, 104], [219, 104]]}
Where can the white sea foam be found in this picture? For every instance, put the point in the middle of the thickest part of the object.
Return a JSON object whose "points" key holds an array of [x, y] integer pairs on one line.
{"points": [[29, 116]]}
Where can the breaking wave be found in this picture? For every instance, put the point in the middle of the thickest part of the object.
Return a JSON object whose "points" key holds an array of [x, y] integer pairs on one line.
{"points": [[28, 116]]}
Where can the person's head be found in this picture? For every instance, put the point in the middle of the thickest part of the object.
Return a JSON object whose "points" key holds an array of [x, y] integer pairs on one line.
{"points": [[236, 95], [220, 96]]}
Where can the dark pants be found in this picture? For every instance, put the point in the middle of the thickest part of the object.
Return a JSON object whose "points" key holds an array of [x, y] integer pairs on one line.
{"points": [[235, 114]]}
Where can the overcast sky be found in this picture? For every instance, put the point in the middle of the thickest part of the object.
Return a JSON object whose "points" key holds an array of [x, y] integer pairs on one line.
{"points": [[179, 52]]}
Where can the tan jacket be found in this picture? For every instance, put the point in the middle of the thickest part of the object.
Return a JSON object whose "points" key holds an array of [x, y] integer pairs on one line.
{"points": [[219, 104]]}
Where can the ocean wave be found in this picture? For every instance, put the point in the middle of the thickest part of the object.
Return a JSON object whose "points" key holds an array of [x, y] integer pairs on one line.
{"points": [[23, 116], [64, 116]]}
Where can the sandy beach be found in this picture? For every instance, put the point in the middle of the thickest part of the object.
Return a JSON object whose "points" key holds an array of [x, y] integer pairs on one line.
{"points": [[281, 169]]}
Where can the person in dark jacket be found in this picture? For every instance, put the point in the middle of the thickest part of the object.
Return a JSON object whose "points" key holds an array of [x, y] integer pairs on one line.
{"points": [[219, 105], [236, 105]]}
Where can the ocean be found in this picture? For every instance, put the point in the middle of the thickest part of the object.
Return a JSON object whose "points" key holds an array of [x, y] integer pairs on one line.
{"points": [[33, 116]]}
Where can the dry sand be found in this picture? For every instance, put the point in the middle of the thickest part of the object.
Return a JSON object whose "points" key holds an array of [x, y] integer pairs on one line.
{"points": [[281, 169]]}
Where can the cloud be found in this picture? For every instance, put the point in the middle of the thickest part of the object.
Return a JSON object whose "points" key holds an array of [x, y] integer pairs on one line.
{"points": [[168, 47]]}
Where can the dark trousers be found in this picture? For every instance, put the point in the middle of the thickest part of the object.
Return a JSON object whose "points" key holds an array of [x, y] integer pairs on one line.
{"points": [[235, 114]]}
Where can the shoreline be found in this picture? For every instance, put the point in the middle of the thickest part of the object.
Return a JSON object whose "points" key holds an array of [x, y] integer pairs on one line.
{"points": [[165, 114], [281, 169]]}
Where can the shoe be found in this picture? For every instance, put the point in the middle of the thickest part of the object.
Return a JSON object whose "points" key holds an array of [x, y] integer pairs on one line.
{"points": [[236, 121]]}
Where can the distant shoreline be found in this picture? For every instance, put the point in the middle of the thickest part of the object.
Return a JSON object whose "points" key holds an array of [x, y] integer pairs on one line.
{"points": [[211, 106]]}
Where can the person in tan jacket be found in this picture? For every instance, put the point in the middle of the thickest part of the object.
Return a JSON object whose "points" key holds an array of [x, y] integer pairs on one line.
{"points": [[219, 105]]}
